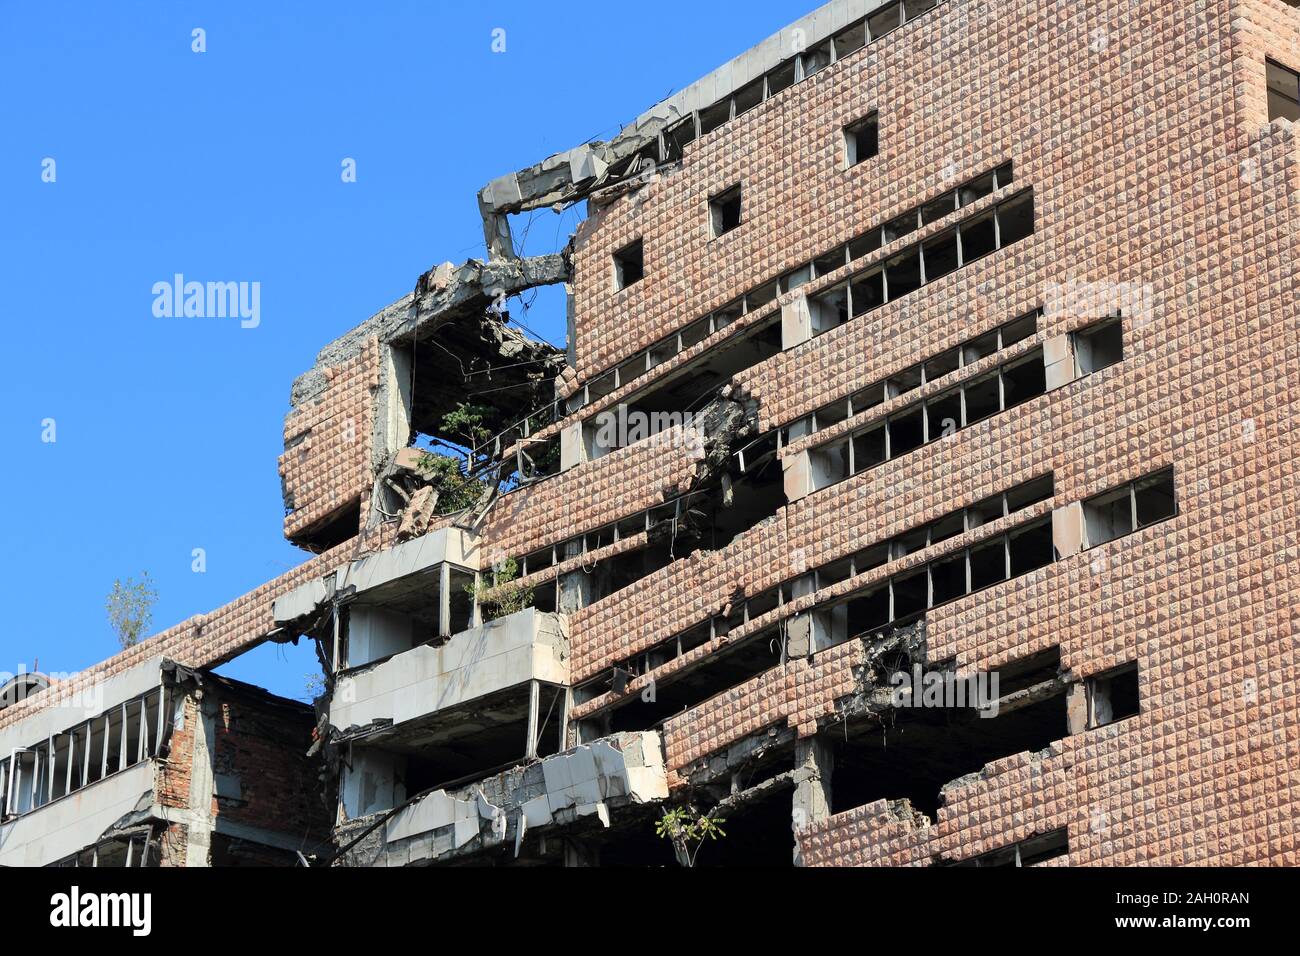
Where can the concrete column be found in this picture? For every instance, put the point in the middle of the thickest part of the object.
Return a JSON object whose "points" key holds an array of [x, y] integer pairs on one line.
{"points": [[1076, 708], [198, 848], [797, 476], [576, 586], [1058, 361], [796, 323], [814, 761]]}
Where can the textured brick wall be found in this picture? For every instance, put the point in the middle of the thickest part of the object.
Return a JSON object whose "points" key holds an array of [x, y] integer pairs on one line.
{"points": [[1141, 130], [329, 466]]}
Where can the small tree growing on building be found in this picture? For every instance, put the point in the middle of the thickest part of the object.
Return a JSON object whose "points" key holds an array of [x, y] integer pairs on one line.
{"points": [[688, 830], [130, 609], [503, 595]]}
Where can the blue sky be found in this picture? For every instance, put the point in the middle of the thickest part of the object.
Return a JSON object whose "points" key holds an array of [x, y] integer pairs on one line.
{"points": [[225, 166]]}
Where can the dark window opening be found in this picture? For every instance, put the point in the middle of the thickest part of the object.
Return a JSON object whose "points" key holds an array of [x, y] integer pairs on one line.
{"points": [[782, 78], [816, 59], [862, 140], [850, 40], [885, 20], [1024, 380], [869, 448], [1154, 499], [915, 756], [829, 309], [911, 595], [1016, 219], [978, 238], [983, 399], [629, 265], [903, 273], [868, 292], [988, 565], [1113, 696], [906, 432], [1099, 347], [949, 579], [749, 96], [712, 117], [1031, 548], [725, 210], [1139, 504], [941, 255]]}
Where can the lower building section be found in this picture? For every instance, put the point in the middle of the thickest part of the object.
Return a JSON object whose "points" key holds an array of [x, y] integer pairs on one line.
{"points": [[560, 810], [164, 766]]}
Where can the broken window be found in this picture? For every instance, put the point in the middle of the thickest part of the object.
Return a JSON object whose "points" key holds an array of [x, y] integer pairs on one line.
{"points": [[1019, 330], [748, 97], [885, 20], [1283, 92], [850, 39], [1031, 548], [724, 211], [898, 228], [869, 448], [830, 464], [911, 594], [943, 415], [1153, 499], [1139, 504], [985, 512], [979, 237], [825, 265], [763, 295], [906, 432], [629, 265], [1030, 852], [976, 190], [695, 333], [678, 137], [868, 291], [1015, 219], [941, 365], [940, 255], [796, 277], [936, 209], [988, 564], [829, 309], [862, 140], [983, 399], [816, 59], [908, 380], [1024, 380], [865, 244], [1099, 347], [66, 762], [712, 117], [1113, 696], [948, 579], [903, 273], [781, 78]]}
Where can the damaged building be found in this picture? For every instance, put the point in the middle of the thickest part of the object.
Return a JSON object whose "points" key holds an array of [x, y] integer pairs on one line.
{"points": [[917, 487]]}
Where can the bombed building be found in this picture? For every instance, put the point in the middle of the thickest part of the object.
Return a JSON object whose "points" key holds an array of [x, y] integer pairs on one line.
{"points": [[917, 487]]}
